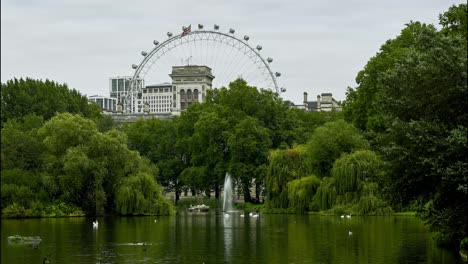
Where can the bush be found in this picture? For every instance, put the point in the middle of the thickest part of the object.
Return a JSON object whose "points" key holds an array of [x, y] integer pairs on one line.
{"points": [[301, 192]]}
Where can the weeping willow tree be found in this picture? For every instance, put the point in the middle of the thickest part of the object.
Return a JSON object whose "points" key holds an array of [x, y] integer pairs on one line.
{"points": [[325, 197], [356, 180], [285, 165], [301, 192], [139, 195]]}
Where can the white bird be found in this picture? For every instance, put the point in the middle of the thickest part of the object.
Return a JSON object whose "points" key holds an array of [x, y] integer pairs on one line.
{"points": [[350, 233], [348, 216], [226, 215], [95, 224], [155, 220], [241, 215], [255, 215], [342, 216], [250, 214]]}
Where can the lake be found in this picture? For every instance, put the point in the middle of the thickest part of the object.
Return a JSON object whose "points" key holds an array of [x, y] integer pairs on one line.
{"points": [[214, 238]]}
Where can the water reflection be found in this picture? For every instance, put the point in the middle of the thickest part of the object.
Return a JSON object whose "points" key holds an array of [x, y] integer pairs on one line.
{"points": [[210, 238]]}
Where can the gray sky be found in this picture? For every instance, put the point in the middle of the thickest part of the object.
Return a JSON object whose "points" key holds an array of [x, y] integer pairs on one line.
{"points": [[318, 46]]}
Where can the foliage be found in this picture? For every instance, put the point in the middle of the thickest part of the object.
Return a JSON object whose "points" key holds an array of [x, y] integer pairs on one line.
{"points": [[139, 194], [248, 144], [285, 165], [22, 97], [325, 197], [454, 21], [156, 139], [351, 170], [329, 142], [411, 98], [78, 169], [301, 192]]}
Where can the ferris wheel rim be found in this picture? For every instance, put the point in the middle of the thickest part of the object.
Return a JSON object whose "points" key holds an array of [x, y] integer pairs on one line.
{"points": [[147, 57]]}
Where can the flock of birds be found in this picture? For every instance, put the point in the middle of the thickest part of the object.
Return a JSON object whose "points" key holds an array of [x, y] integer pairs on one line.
{"points": [[226, 215], [350, 233]]}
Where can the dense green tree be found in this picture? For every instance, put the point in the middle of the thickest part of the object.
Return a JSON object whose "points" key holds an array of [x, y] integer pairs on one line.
{"points": [[329, 142], [454, 21], [20, 146], [301, 192], [21, 97], [157, 140], [77, 167], [285, 166], [267, 107], [248, 145], [358, 178], [209, 145], [412, 98]]}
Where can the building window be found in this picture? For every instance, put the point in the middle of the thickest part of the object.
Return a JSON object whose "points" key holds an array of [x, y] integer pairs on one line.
{"points": [[189, 94], [121, 85], [114, 85], [195, 94]]}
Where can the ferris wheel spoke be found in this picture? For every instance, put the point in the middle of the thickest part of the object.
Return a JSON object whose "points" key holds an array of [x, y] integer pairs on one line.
{"points": [[228, 56]]}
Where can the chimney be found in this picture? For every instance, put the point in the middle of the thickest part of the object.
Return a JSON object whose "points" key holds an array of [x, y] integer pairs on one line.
{"points": [[305, 101], [318, 103]]}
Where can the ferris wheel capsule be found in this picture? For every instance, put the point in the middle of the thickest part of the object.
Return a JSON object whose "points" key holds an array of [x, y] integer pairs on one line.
{"points": [[169, 34], [246, 38], [277, 74], [270, 60], [200, 26], [216, 27], [144, 53], [259, 48], [134, 66], [231, 30], [155, 42], [283, 89]]}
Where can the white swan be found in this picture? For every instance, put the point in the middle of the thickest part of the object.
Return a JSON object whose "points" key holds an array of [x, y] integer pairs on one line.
{"points": [[95, 224], [342, 216], [255, 215], [350, 233], [250, 214], [348, 216], [241, 215], [226, 215]]}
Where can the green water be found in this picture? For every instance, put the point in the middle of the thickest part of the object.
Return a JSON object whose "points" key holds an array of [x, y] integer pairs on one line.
{"points": [[212, 238]]}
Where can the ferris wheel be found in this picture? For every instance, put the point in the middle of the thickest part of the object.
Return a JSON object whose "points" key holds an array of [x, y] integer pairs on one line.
{"points": [[229, 57]]}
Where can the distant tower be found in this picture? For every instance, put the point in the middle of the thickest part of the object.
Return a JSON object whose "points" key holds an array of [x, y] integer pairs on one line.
{"points": [[305, 101], [318, 103], [189, 85]]}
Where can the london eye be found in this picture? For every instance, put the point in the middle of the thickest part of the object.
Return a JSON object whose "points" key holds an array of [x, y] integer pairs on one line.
{"points": [[229, 56]]}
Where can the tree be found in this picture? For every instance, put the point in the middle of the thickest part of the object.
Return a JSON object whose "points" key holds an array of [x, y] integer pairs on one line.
{"points": [[411, 97], [248, 145], [90, 167], [285, 166], [329, 142], [21, 97], [209, 146], [267, 107]]}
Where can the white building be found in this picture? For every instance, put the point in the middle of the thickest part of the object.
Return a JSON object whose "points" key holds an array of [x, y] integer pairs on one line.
{"points": [[325, 102], [157, 98], [189, 85], [107, 104], [120, 86]]}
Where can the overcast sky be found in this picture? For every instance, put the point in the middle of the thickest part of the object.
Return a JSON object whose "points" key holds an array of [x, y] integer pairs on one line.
{"points": [[318, 46]]}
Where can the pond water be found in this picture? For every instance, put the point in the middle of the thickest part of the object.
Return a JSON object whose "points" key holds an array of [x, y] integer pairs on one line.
{"points": [[214, 238]]}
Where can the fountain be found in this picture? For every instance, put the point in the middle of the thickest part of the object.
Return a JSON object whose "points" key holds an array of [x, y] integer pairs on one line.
{"points": [[227, 198]]}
